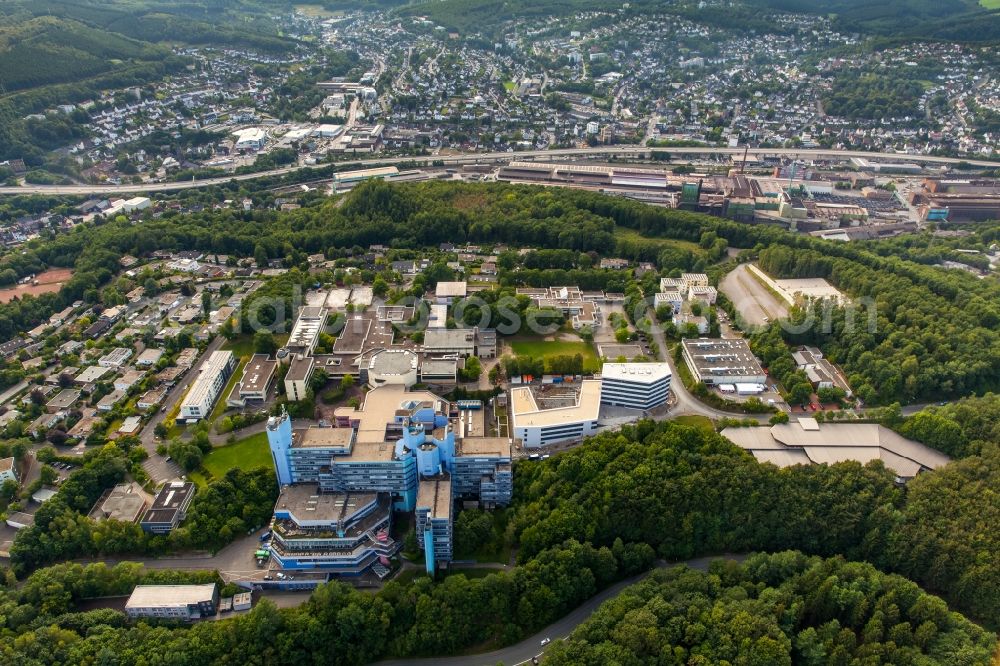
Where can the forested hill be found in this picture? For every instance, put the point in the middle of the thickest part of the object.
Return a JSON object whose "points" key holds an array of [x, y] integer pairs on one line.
{"points": [[45, 42], [955, 20], [777, 610]]}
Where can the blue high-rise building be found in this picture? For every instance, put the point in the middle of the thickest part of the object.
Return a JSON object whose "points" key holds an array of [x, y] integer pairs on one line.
{"points": [[402, 447]]}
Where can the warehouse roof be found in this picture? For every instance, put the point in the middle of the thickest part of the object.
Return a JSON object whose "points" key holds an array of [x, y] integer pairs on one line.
{"points": [[169, 596]]}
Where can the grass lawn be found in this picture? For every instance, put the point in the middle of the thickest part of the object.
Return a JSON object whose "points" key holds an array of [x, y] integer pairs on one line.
{"points": [[242, 345], [408, 576], [696, 420], [989, 4], [622, 233], [247, 454], [542, 349], [510, 85]]}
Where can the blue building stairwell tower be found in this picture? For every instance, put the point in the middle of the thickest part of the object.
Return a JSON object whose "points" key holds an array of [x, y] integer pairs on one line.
{"points": [[279, 438]]}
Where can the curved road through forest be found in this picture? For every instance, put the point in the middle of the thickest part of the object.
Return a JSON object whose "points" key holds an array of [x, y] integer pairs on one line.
{"points": [[531, 646], [467, 158]]}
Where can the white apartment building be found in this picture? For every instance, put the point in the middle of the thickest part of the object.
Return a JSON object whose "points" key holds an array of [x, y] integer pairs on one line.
{"points": [[671, 298], [635, 385]]}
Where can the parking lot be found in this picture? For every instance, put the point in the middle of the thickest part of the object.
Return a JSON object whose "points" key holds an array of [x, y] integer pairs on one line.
{"points": [[160, 469]]}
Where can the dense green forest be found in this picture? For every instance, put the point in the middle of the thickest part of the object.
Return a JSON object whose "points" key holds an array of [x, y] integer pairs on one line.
{"points": [[929, 248], [777, 609], [597, 514], [936, 333], [686, 494], [873, 96], [960, 429]]}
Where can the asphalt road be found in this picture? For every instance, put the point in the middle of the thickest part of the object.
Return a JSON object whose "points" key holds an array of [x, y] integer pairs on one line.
{"points": [[156, 465], [684, 402], [531, 646], [754, 302], [485, 157]]}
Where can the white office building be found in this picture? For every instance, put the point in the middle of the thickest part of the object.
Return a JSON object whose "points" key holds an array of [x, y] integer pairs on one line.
{"points": [[560, 414], [635, 385], [178, 602], [208, 386]]}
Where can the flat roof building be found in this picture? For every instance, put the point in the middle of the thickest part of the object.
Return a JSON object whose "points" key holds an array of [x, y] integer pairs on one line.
{"points": [[393, 366], [555, 412], [208, 385], [125, 502], [258, 376], [460, 341], [305, 332], [297, 378], [635, 385], [446, 292], [116, 358], [340, 532], [350, 177], [169, 507], [173, 602], [149, 357], [722, 361], [433, 512], [62, 400]]}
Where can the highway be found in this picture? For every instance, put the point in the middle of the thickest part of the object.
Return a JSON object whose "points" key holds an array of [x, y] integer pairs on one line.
{"points": [[530, 647], [469, 158]]}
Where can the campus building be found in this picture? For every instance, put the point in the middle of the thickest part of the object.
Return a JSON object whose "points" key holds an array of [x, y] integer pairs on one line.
{"points": [[305, 333], [125, 502], [338, 532], [555, 412], [208, 385], [635, 385], [805, 441], [434, 527], [722, 361], [173, 602], [169, 507], [385, 449], [393, 366], [256, 382]]}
